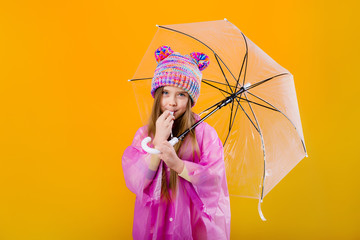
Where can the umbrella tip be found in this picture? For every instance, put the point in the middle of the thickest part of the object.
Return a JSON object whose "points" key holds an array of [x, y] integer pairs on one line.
{"points": [[225, 19], [157, 25], [129, 80]]}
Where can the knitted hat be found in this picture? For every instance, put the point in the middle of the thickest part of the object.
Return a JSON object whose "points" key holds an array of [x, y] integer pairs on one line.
{"points": [[174, 69]]}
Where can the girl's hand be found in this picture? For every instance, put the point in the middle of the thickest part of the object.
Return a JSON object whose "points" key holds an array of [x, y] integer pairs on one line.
{"points": [[169, 156], [163, 127]]}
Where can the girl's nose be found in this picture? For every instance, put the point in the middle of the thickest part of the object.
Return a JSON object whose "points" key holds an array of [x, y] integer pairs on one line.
{"points": [[172, 101]]}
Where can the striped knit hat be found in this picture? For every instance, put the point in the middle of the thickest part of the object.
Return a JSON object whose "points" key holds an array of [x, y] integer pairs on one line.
{"points": [[174, 69]]}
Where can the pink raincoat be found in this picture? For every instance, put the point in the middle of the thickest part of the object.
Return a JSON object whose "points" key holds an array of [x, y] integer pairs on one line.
{"points": [[201, 209]]}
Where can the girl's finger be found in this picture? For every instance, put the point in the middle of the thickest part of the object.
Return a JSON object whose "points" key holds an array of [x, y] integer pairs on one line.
{"points": [[168, 123], [167, 144], [161, 117], [165, 114], [169, 115], [169, 119]]}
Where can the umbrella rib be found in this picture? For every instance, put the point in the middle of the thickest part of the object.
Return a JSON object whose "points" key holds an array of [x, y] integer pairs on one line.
{"points": [[247, 49], [265, 80], [251, 86], [263, 147], [204, 45], [186, 35], [222, 71], [247, 115], [221, 91], [228, 85], [225, 66], [245, 70], [217, 88], [215, 105], [231, 112], [258, 104], [242, 66], [138, 79], [302, 141], [231, 122], [217, 82]]}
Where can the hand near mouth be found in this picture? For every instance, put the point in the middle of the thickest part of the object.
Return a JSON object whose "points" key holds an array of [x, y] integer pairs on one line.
{"points": [[164, 126]]}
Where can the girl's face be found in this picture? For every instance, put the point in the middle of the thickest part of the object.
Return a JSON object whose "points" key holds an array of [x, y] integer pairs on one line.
{"points": [[175, 100]]}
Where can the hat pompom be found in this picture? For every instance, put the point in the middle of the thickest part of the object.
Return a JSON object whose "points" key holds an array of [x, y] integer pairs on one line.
{"points": [[162, 52], [201, 59]]}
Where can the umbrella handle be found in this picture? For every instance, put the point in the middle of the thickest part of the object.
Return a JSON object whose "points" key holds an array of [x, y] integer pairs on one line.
{"points": [[145, 141]]}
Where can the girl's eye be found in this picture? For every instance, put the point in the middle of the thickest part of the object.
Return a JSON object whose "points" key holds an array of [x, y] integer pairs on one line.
{"points": [[181, 94], [165, 92]]}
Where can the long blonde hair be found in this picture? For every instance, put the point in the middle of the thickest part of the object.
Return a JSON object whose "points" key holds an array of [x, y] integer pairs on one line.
{"points": [[181, 124]]}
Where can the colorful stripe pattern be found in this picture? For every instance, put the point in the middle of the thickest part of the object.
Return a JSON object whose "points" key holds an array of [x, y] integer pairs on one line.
{"points": [[162, 52], [180, 71], [201, 59]]}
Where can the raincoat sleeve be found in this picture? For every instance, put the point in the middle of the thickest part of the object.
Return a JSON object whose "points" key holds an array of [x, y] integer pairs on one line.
{"points": [[135, 163], [208, 176]]}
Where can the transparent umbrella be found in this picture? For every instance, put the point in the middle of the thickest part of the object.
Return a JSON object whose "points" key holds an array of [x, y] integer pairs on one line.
{"points": [[251, 101]]}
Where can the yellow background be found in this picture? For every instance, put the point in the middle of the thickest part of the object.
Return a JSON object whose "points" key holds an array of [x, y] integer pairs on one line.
{"points": [[68, 113]]}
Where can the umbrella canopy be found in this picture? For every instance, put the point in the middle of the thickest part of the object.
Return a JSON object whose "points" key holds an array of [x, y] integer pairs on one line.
{"points": [[261, 128]]}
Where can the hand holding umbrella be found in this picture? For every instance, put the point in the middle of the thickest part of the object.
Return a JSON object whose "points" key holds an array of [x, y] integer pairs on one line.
{"points": [[169, 156]]}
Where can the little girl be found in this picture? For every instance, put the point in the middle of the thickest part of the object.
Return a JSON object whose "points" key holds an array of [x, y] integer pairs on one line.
{"points": [[182, 192]]}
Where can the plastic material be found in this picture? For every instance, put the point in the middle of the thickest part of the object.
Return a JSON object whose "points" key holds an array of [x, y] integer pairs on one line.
{"points": [[145, 141], [148, 149], [261, 130], [260, 212]]}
